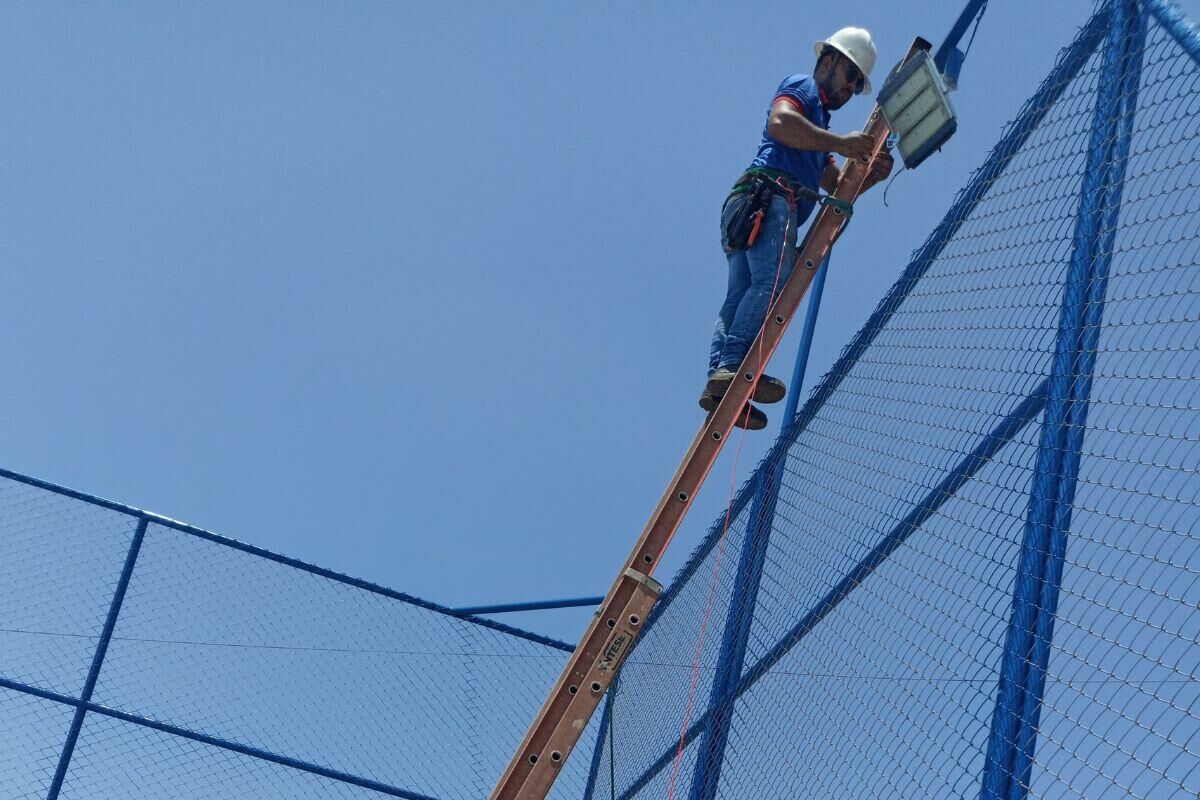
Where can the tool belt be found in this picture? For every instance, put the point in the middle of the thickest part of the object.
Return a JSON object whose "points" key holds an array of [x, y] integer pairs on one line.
{"points": [[761, 185], [759, 188]]}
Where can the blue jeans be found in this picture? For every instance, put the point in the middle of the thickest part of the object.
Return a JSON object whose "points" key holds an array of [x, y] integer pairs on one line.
{"points": [[752, 274]]}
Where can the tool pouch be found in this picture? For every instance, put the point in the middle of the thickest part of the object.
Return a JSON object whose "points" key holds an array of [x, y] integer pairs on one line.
{"points": [[743, 215]]}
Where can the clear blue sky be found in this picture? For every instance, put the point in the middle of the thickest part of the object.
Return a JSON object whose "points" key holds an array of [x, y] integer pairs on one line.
{"points": [[420, 292]]}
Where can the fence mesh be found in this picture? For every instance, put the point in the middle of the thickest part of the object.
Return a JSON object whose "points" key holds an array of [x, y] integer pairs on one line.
{"points": [[871, 598], [968, 568], [232, 672]]}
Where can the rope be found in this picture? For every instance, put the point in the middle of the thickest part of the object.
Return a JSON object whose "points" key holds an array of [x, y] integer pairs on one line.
{"points": [[612, 744], [695, 669]]}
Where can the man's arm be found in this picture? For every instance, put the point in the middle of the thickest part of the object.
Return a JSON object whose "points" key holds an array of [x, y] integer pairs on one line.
{"points": [[788, 126]]}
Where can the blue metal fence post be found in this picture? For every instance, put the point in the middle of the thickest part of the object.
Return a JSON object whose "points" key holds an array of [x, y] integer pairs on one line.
{"points": [[1013, 736], [1132, 41], [89, 685], [815, 291], [732, 655], [749, 573], [606, 721]]}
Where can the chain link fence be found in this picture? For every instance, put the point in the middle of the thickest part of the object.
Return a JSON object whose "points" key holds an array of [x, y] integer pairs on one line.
{"points": [[143, 658], [971, 566]]}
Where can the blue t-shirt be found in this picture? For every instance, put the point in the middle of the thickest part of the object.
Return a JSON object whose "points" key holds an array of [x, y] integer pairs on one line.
{"points": [[806, 166]]}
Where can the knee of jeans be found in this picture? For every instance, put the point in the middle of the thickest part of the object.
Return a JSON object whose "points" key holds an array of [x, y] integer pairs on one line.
{"points": [[759, 294], [762, 281]]}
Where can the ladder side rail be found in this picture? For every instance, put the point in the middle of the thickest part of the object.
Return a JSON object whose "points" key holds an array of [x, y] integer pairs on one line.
{"points": [[555, 730], [965, 470], [1065, 69], [1068, 65], [1072, 59]]}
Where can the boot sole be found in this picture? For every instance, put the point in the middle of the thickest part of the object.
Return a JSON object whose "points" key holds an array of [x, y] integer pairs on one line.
{"points": [[766, 391], [749, 422]]}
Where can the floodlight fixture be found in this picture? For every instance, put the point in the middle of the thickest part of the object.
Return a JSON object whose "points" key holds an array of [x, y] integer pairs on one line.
{"points": [[916, 104]]}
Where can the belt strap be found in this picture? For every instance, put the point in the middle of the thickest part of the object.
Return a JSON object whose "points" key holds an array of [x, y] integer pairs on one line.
{"points": [[798, 192]]}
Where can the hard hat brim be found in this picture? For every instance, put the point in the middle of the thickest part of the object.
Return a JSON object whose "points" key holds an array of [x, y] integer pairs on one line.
{"points": [[819, 47]]}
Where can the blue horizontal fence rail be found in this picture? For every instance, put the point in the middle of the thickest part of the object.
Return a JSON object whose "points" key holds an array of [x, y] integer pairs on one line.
{"points": [[349, 580], [533, 605], [1016, 419], [82, 707]]}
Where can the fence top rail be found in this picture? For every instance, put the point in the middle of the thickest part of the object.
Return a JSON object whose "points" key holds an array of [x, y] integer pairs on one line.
{"points": [[192, 530]]}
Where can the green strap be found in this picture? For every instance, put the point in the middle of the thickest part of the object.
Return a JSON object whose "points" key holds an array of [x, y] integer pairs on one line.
{"points": [[842, 205], [846, 208]]}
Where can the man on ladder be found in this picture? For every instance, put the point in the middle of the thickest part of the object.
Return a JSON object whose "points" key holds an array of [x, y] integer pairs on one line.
{"points": [[775, 196]]}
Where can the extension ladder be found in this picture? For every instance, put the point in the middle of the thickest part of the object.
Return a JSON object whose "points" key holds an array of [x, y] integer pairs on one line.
{"points": [[619, 619]]}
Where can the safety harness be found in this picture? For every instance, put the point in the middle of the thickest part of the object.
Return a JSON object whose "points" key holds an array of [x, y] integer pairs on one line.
{"points": [[762, 184]]}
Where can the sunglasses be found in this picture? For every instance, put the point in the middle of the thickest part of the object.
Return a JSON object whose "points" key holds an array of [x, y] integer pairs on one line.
{"points": [[853, 74]]}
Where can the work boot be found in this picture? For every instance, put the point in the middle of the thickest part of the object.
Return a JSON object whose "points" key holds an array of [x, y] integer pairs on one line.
{"points": [[755, 421], [768, 390]]}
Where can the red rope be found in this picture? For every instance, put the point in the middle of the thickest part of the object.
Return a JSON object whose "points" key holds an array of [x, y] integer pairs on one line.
{"points": [[712, 588]]}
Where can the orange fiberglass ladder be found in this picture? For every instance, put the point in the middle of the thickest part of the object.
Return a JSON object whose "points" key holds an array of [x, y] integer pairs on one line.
{"points": [[619, 619]]}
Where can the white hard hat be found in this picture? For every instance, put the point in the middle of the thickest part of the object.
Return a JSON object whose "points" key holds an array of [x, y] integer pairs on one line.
{"points": [[855, 44]]}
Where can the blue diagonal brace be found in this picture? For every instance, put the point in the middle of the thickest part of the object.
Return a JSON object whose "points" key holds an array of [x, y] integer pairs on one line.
{"points": [[89, 685], [1007, 429]]}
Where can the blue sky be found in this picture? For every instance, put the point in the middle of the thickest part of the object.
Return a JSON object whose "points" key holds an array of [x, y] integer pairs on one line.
{"points": [[419, 292]]}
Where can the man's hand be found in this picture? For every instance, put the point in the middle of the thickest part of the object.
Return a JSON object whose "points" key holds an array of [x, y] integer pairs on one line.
{"points": [[855, 145], [881, 167]]}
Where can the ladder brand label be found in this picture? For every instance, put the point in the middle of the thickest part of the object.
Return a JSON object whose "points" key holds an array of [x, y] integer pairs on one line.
{"points": [[611, 657]]}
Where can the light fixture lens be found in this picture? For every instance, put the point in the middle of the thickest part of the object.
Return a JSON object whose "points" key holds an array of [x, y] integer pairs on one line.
{"points": [[914, 100]]}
